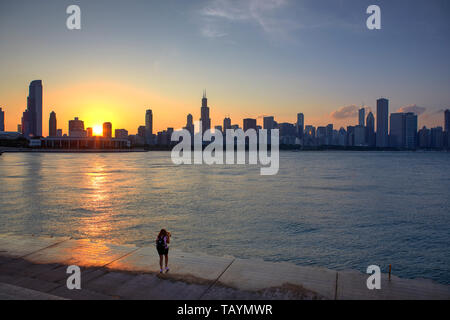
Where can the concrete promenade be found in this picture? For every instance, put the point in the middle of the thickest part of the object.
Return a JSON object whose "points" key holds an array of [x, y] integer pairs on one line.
{"points": [[35, 268]]}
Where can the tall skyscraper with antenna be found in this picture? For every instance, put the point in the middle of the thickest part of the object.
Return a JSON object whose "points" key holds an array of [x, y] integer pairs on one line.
{"points": [[204, 111]]}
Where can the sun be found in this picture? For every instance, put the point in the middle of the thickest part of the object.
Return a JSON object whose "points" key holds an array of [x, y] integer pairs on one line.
{"points": [[97, 130]]}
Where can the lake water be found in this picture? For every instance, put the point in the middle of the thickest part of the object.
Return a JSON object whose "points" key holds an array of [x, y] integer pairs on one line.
{"points": [[341, 210]]}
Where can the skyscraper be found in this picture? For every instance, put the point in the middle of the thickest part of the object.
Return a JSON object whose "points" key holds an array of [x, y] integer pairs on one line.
{"points": [[2, 120], [370, 130], [204, 111], [397, 130], [26, 123], [226, 124], [76, 128], [34, 108], [249, 124], [89, 132], [141, 131], [329, 134], [52, 125], [190, 124], [382, 123], [268, 123], [361, 114], [410, 130], [447, 120], [107, 130], [300, 125], [148, 126]]}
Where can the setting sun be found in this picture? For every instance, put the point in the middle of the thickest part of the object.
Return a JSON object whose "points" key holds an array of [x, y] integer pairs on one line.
{"points": [[97, 130]]}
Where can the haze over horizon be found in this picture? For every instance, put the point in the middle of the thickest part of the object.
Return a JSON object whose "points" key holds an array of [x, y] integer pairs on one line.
{"points": [[254, 57]]}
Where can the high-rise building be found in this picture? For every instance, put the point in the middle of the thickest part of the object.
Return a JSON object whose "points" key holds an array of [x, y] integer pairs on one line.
{"points": [[249, 124], [382, 123], [89, 132], [437, 136], [107, 130], [370, 130], [121, 134], [350, 136], [397, 130], [268, 123], [410, 130], [33, 116], [361, 114], [2, 120], [447, 120], [59, 133], [359, 136], [52, 125], [226, 124], [300, 125], [148, 126], [204, 112], [329, 134], [321, 135], [424, 138], [19, 128], [190, 124], [141, 131], [76, 128]]}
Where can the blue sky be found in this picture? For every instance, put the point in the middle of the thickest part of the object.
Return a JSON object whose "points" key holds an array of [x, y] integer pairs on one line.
{"points": [[254, 57]]}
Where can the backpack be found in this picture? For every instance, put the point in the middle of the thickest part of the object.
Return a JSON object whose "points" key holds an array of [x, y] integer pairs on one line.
{"points": [[160, 243]]}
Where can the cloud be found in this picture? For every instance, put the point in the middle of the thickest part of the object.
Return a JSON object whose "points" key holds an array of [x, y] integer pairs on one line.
{"points": [[262, 13], [413, 108], [348, 112], [210, 31]]}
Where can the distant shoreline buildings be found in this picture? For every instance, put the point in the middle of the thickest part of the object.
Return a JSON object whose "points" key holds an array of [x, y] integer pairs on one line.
{"points": [[396, 130]]}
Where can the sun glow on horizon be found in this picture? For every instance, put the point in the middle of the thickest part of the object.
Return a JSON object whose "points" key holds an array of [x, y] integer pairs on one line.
{"points": [[97, 130]]}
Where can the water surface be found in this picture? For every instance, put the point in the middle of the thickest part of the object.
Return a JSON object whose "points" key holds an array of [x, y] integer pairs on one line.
{"points": [[341, 210]]}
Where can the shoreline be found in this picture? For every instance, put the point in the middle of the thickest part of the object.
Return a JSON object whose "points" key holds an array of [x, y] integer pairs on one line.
{"points": [[130, 272]]}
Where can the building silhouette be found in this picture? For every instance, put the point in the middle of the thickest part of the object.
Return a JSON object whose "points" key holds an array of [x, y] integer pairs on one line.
{"points": [[268, 123], [121, 134], [361, 115], [32, 117], [410, 130], [76, 128], [149, 127], [107, 130], [52, 125], [190, 124], [447, 120], [300, 125], [204, 112], [249, 124], [89, 132], [370, 130], [226, 124], [397, 133], [2, 120], [382, 123]]}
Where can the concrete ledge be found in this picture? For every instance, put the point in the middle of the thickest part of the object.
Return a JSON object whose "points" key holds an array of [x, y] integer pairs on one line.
{"points": [[12, 292], [127, 272]]}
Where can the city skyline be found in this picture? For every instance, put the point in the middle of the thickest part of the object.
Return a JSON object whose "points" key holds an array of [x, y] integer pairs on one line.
{"points": [[315, 57], [358, 116]]}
